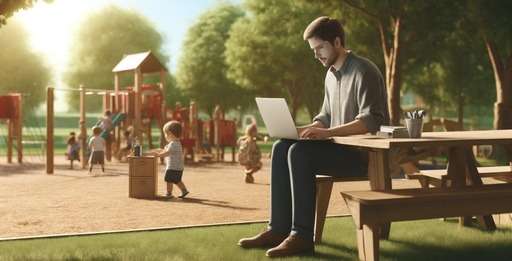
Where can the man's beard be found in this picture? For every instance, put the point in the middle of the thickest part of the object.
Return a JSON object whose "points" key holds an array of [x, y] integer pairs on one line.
{"points": [[331, 60]]}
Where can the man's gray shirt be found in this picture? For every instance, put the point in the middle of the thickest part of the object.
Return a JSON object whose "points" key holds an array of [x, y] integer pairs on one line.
{"points": [[356, 91]]}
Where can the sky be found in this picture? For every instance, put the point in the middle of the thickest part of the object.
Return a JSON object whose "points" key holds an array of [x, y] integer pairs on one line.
{"points": [[50, 26]]}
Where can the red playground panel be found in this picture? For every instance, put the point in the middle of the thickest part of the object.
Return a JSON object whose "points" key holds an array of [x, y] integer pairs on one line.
{"points": [[9, 106], [227, 133]]}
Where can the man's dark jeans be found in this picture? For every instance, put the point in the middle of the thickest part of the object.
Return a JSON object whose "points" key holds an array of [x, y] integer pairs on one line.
{"points": [[294, 166]]}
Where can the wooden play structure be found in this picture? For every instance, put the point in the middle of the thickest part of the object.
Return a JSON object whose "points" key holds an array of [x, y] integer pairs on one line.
{"points": [[50, 120], [206, 138], [145, 103], [133, 106], [11, 114], [138, 106], [142, 103]]}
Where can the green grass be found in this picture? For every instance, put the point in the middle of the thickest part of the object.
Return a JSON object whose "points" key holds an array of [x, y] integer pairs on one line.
{"points": [[417, 240]]}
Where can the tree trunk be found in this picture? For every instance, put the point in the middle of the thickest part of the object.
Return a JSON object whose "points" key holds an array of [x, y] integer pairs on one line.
{"points": [[392, 63], [312, 110], [294, 93], [503, 105], [460, 110], [503, 81]]}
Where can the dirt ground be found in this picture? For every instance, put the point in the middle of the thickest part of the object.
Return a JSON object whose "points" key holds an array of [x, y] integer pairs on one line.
{"points": [[71, 201]]}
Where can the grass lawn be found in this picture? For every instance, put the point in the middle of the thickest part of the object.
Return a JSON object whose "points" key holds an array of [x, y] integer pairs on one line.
{"points": [[417, 240]]}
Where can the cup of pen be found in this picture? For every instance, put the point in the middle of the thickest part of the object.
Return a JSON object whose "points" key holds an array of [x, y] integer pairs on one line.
{"points": [[414, 123]]}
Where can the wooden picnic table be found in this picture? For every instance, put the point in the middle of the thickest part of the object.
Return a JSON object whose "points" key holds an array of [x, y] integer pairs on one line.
{"points": [[386, 154]]}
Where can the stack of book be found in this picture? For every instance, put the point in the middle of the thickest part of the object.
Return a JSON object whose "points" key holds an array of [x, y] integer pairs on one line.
{"points": [[393, 132]]}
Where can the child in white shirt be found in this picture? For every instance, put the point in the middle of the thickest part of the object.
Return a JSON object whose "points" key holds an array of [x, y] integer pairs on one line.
{"points": [[97, 148], [173, 153]]}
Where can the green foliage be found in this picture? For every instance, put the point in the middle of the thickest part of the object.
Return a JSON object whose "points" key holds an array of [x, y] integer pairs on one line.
{"points": [[441, 59], [267, 55], [9, 7], [202, 66], [22, 71], [100, 43], [492, 20]]}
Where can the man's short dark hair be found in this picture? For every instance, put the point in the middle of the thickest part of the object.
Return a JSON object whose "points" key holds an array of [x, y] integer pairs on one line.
{"points": [[326, 29]]}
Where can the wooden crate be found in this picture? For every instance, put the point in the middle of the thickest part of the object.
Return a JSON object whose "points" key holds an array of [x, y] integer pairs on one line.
{"points": [[142, 177]]}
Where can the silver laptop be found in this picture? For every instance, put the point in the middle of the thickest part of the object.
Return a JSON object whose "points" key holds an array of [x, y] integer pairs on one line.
{"points": [[277, 118]]}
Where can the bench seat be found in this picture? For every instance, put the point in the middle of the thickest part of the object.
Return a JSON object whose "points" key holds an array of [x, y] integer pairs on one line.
{"points": [[369, 209], [439, 178]]}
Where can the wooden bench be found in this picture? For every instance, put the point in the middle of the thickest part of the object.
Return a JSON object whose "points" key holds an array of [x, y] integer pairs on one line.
{"points": [[439, 177], [369, 209], [323, 196]]}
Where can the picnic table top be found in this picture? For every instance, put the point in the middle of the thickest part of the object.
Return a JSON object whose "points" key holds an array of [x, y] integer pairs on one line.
{"points": [[451, 138]]}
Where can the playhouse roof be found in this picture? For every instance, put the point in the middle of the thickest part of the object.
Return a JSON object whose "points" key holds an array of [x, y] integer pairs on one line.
{"points": [[146, 61]]}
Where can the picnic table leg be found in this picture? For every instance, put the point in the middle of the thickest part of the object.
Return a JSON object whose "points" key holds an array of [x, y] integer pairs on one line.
{"points": [[368, 243], [463, 172], [380, 179], [360, 244], [473, 178], [456, 173]]}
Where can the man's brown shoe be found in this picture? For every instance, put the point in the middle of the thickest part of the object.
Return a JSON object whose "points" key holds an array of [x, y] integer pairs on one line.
{"points": [[264, 239], [292, 245]]}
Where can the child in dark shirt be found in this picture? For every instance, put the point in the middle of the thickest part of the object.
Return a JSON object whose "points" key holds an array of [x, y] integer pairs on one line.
{"points": [[73, 148]]}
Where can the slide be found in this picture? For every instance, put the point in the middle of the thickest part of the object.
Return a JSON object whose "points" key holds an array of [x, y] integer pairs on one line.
{"points": [[116, 119]]}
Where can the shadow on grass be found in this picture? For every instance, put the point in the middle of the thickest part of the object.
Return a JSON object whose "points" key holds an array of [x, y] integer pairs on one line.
{"points": [[419, 250], [475, 225], [336, 247]]}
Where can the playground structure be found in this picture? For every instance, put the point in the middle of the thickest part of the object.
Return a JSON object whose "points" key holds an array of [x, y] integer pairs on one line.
{"points": [[11, 113], [144, 103], [207, 138], [138, 106], [141, 103]]}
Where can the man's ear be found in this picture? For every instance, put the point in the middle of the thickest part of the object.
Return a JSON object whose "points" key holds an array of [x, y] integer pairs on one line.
{"points": [[337, 42]]}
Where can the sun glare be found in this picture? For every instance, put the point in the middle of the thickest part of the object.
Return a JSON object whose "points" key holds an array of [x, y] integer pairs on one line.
{"points": [[51, 27]]}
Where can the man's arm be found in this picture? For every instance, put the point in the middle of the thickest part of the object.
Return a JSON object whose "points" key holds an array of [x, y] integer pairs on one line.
{"points": [[315, 124], [319, 132], [352, 128]]}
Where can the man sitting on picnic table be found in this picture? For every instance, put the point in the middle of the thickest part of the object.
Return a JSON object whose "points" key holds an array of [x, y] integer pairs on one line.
{"points": [[355, 102]]}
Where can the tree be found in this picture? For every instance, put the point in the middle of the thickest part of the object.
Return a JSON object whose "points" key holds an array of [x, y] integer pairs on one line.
{"points": [[23, 70], [9, 7], [466, 82], [267, 55], [100, 43], [396, 23], [202, 67], [492, 18], [432, 67]]}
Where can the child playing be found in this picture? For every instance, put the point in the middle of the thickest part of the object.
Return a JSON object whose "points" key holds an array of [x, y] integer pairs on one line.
{"points": [[249, 154], [97, 148], [107, 126], [72, 149], [173, 154], [126, 150]]}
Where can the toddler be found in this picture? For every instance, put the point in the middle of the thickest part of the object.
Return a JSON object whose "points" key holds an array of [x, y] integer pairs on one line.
{"points": [[173, 153], [249, 154], [73, 148]]}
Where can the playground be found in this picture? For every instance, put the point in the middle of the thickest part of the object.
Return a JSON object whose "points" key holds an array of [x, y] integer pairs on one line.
{"points": [[71, 201]]}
